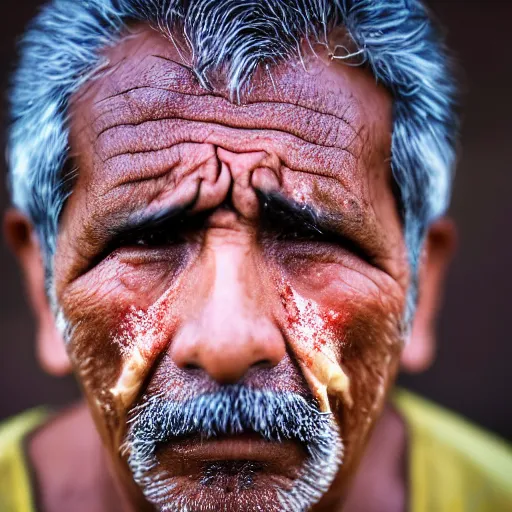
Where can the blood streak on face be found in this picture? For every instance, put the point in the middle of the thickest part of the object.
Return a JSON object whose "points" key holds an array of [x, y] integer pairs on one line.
{"points": [[317, 339]]}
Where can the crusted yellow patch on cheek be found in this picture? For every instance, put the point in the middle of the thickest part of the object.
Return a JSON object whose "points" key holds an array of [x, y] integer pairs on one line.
{"points": [[326, 377], [316, 343], [129, 382]]}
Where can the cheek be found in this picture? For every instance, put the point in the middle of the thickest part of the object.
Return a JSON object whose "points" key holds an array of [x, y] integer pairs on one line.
{"points": [[118, 331], [371, 357], [346, 331]]}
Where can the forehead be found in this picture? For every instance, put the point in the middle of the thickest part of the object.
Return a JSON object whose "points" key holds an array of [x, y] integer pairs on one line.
{"points": [[328, 124], [317, 76]]}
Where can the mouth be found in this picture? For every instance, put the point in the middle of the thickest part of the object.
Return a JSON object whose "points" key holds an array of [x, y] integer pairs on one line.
{"points": [[194, 454]]}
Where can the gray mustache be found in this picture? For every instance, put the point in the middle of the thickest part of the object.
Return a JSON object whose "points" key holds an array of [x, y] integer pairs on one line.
{"points": [[233, 409]]}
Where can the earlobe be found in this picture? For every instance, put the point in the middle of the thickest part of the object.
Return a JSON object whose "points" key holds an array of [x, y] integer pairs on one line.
{"points": [[23, 242], [437, 253], [51, 349]]}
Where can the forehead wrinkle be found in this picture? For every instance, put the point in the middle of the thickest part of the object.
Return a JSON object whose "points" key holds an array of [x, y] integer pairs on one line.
{"points": [[215, 110], [306, 159], [253, 117], [354, 145], [212, 127], [168, 174], [300, 107]]}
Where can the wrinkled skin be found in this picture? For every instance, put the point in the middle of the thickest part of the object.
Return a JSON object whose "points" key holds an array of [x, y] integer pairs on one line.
{"points": [[227, 295]]}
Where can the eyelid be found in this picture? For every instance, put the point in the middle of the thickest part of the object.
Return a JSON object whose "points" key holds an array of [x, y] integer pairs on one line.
{"points": [[172, 234], [118, 241], [173, 228], [305, 233]]}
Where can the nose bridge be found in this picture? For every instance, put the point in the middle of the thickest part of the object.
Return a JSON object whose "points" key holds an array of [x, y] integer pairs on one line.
{"points": [[230, 311], [232, 329], [230, 289]]}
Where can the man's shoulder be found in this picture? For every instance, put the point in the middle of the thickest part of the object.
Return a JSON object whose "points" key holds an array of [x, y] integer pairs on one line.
{"points": [[454, 465], [15, 489]]}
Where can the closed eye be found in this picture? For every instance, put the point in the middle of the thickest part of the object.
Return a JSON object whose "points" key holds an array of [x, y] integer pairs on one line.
{"points": [[163, 230], [290, 222]]}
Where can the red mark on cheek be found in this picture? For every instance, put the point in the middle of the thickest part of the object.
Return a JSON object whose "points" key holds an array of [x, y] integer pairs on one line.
{"points": [[288, 301], [146, 330], [314, 328]]}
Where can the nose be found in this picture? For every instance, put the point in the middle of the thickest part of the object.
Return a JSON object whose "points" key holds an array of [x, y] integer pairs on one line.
{"points": [[233, 330]]}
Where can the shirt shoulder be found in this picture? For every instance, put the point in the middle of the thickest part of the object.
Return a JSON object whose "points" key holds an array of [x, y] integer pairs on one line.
{"points": [[15, 485], [454, 466]]}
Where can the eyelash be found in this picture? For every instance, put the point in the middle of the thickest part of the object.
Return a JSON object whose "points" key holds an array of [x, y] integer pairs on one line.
{"points": [[305, 233], [163, 238], [310, 234]]}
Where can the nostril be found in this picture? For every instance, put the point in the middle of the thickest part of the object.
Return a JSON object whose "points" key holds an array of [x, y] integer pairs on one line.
{"points": [[191, 366], [262, 363]]}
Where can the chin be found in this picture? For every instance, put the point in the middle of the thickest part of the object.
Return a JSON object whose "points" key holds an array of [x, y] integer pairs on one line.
{"points": [[236, 485], [230, 485]]}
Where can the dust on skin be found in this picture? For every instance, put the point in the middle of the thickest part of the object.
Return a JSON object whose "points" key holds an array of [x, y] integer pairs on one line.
{"points": [[113, 351], [314, 341]]}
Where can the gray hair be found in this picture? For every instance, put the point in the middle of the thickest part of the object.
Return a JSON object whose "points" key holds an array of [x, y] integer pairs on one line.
{"points": [[396, 39]]}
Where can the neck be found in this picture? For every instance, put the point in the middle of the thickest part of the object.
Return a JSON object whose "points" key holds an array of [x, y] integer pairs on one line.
{"points": [[379, 484], [72, 470]]}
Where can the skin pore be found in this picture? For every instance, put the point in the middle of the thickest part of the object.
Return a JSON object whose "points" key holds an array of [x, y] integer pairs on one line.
{"points": [[209, 243]]}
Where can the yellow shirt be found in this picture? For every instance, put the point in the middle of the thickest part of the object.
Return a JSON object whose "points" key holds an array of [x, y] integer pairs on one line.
{"points": [[15, 484], [453, 466]]}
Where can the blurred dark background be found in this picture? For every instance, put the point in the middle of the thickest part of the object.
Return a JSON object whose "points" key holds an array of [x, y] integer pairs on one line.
{"points": [[472, 370]]}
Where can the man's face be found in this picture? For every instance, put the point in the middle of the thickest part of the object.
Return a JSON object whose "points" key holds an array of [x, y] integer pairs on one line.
{"points": [[230, 273]]}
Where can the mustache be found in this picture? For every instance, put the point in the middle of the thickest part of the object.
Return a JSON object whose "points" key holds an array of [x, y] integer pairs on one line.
{"points": [[233, 409]]}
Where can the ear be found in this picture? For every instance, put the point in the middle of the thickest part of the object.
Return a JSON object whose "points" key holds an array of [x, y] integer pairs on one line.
{"points": [[437, 253], [21, 237]]}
